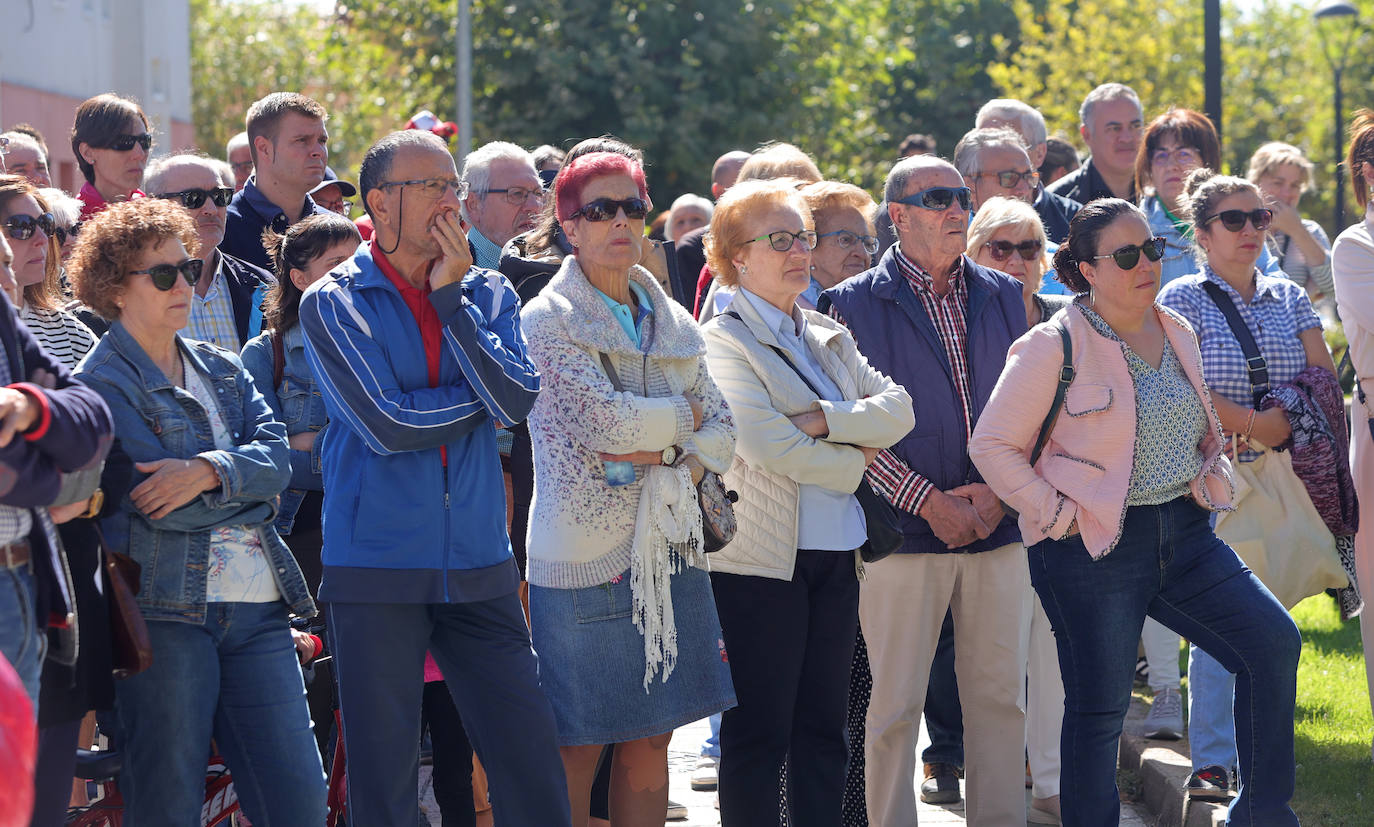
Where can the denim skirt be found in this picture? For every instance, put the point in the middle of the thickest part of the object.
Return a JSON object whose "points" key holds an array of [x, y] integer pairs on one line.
{"points": [[591, 661]]}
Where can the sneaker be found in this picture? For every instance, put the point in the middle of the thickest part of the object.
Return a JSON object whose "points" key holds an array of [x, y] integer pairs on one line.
{"points": [[704, 777], [1142, 671], [941, 784], [1165, 721], [676, 811], [1211, 783]]}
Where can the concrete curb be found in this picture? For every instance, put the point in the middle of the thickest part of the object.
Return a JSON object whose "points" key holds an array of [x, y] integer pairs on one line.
{"points": [[1163, 768]]}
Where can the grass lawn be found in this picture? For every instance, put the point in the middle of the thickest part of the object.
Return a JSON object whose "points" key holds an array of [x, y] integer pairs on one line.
{"points": [[1333, 725]]}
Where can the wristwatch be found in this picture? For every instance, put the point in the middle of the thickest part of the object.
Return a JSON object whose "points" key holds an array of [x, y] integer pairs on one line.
{"points": [[97, 502], [671, 455]]}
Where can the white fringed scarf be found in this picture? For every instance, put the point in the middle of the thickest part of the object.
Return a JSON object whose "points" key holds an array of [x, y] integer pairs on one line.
{"points": [[667, 540]]}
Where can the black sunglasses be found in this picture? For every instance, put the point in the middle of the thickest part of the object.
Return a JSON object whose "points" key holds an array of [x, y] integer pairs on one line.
{"points": [[193, 199], [1129, 256], [939, 198], [64, 233], [604, 209], [1234, 220], [22, 227], [124, 143], [164, 276], [1002, 250]]}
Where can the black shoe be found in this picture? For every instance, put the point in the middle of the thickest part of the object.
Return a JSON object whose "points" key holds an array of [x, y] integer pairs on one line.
{"points": [[1211, 783], [941, 784]]}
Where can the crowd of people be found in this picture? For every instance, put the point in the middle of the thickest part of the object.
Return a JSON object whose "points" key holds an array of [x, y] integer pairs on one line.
{"points": [[557, 476]]}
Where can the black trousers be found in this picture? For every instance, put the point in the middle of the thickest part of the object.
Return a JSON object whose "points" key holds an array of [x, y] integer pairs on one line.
{"points": [[452, 757], [790, 645]]}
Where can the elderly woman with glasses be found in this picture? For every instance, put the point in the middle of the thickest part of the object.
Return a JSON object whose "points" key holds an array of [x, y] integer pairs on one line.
{"points": [[845, 238], [1115, 512], [1008, 235], [812, 415], [111, 142], [210, 461], [627, 421]]}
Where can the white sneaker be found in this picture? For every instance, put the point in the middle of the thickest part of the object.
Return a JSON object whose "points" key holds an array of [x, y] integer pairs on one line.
{"points": [[1165, 721], [704, 777]]}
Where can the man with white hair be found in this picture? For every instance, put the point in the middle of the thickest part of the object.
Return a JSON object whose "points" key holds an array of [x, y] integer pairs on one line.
{"points": [[1056, 211], [225, 309], [1112, 125], [25, 156], [240, 159], [504, 198], [931, 318]]}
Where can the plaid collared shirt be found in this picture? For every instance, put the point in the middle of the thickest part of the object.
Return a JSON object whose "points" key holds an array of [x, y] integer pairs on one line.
{"points": [[212, 315], [888, 474]]}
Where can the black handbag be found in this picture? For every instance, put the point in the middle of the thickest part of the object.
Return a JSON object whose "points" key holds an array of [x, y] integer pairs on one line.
{"points": [[716, 502], [884, 528]]}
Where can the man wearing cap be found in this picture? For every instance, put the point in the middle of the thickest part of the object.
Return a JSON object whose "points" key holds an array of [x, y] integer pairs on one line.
{"points": [[332, 191], [290, 147]]}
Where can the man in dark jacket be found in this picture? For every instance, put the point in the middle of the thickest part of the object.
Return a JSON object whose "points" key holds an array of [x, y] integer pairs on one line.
{"points": [[1056, 211], [227, 309], [50, 428], [1112, 124], [932, 319], [290, 147]]}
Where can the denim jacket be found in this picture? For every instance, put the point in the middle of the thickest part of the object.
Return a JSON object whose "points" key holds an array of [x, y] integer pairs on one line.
{"points": [[297, 404], [156, 420]]}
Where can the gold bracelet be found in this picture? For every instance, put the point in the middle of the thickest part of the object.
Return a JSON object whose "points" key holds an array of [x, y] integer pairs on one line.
{"points": [[1249, 425]]}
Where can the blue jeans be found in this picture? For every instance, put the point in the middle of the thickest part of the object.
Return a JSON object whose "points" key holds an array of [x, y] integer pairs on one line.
{"points": [[1211, 712], [236, 678], [22, 640], [710, 748], [1169, 565]]}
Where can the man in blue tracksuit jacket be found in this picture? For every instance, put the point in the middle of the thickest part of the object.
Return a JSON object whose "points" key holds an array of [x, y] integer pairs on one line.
{"points": [[419, 356]]}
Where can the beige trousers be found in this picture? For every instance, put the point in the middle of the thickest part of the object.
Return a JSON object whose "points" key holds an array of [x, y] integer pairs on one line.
{"points": [[1045, 704], [902, 603]]}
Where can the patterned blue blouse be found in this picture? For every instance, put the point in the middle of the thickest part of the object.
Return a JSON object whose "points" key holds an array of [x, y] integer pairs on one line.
{"points": [[1170, 423], [1276, 315]]}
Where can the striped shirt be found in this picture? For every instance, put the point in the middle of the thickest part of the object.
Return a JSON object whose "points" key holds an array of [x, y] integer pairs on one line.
{"points": [[212, 315], [60, 333], [888, 474]]}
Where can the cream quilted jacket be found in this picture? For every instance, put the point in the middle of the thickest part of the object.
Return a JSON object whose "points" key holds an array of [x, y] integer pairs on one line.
{"points": [[772, 457]]}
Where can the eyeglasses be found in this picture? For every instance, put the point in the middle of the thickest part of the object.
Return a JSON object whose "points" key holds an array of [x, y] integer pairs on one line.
{"points": [[124, 143], [164, 276], [1184, 156], [1028, 250], [1009, 178], [782, 240], [22, 227], [433, 188], [1129, 256], [939, 198], [1234, 220], [519, 195], [604, 209], [846, 239], [64, 233], [193, 199], [242, 167]]}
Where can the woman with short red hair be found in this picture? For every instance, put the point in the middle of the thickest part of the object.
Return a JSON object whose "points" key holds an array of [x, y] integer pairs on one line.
{"points": [[626, 423]]}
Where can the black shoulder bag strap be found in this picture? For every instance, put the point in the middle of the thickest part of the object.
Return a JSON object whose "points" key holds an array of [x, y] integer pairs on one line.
{"points": [[1254, 360], [278, 359], [1066, 374]]}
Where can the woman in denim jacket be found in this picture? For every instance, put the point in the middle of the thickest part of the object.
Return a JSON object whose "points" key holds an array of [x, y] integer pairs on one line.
{"points": [[276, 361], [217, 582]]}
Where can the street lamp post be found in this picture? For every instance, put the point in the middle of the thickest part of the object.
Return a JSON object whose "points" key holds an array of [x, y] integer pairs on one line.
{"points": [[1331, 17]]}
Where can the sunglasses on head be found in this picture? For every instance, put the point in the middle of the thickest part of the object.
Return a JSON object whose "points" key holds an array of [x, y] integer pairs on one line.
{"points": [[846, 239], [782, 240], [604, 209], [164, 276], [1234, 220], [1002, 250], [124, 143], [939, 198], [1129, 256], [64, 233], [22, 227], [193, 199]]}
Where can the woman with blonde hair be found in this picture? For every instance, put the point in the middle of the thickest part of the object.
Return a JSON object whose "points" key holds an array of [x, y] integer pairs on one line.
{"points": [[812, 414], [1283, 174], [845, 239], [1007, 234]]}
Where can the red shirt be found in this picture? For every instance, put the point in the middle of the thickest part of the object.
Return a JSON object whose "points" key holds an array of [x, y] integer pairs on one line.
{"points": [[426, 318], [93, 202]]}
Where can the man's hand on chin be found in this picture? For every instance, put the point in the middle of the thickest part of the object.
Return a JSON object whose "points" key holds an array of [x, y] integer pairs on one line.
{"points": [[455, 259]]}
